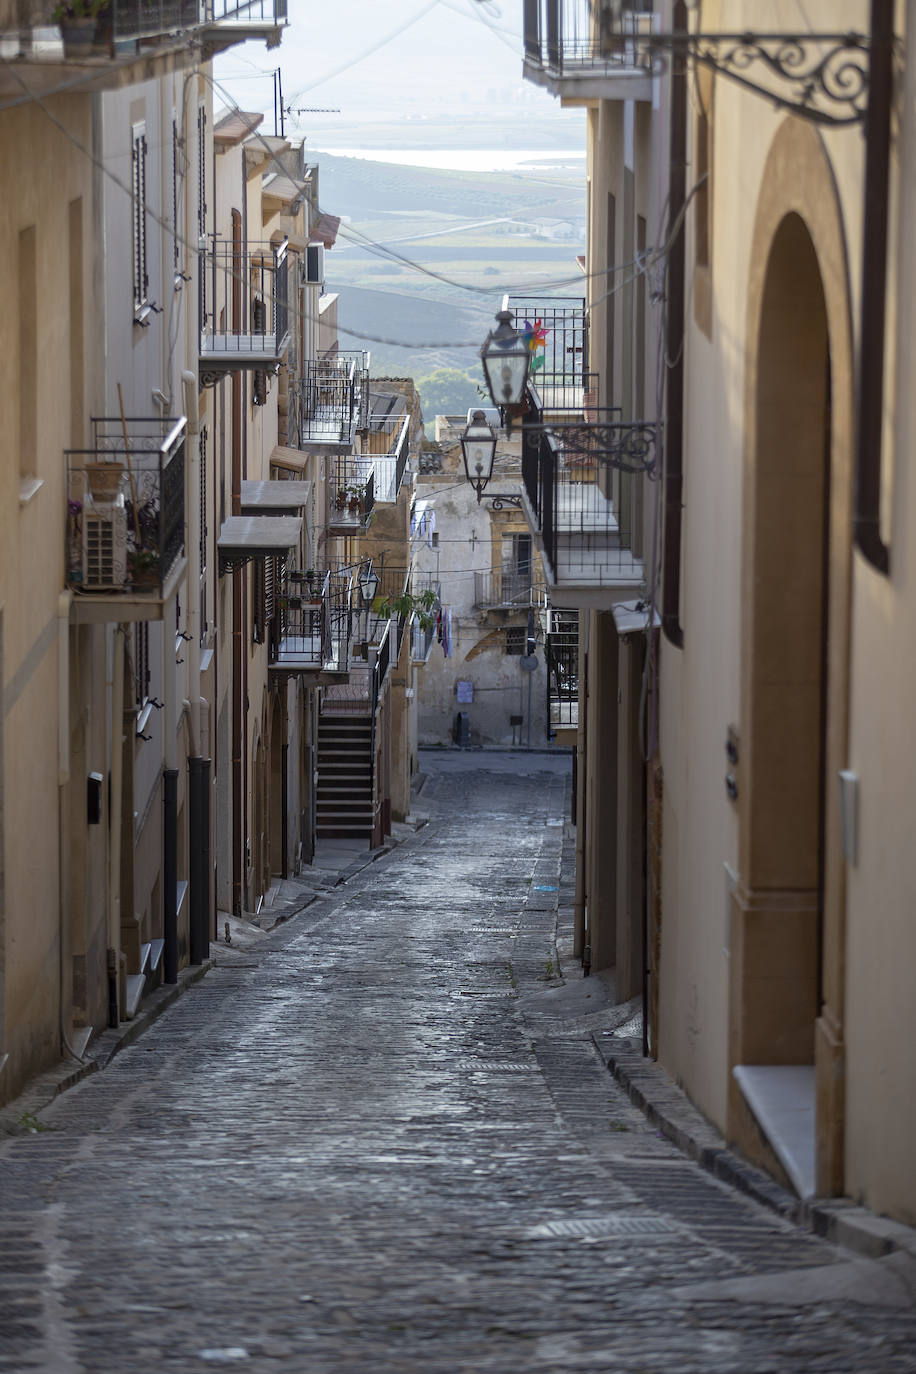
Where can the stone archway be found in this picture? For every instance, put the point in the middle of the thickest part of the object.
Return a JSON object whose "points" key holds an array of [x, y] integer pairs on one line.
{"points": [[788, 909]]}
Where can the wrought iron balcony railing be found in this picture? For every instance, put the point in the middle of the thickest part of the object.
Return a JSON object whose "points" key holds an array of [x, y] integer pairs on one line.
{"points": [[423, 631], [324, 404], [244, 307], [560, 358], [311, 623], [562, 658], [583, 472], [582, 38], [388, 436], [508, 588], [351, 494], [126, 507], [125, 27]]}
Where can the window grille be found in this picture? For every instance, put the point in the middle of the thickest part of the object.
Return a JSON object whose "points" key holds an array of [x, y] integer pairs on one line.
{"points": [[141, 662], [176, 251], [515, 639], [138, 186]]}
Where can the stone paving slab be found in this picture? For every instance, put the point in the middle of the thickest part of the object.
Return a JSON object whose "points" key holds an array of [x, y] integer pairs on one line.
{"points": [[353, 1152]]}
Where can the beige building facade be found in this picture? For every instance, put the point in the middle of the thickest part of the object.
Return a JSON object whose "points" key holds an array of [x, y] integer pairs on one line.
{"points": [[774, 854]]}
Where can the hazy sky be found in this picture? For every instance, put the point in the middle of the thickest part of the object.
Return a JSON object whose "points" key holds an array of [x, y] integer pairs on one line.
{"points": [[420, 62]]}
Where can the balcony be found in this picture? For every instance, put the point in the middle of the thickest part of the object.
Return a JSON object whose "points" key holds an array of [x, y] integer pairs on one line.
{"points": [[583, 475], [560, 365], [562, 658], [126, 518], [244, 308], [587, 50], [351, 495], [124, 29], [310, 626], [388, 436], [325, 404], [507, 590], [423, 637]]}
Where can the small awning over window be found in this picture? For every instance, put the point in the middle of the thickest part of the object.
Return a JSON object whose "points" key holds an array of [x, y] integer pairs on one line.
{"points": [[279, 496], [257, 536]]}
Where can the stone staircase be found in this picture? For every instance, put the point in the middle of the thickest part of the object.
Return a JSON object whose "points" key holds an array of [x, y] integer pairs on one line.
{"points": [[344, 776]]}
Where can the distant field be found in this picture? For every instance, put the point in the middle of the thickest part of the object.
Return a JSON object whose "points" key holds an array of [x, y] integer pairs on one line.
{"points": [[428, 323]]}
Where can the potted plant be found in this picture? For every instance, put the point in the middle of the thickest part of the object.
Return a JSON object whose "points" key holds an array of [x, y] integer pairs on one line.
{"points": [[355, 493], [78, 22], [143, 567], [104, 479]]}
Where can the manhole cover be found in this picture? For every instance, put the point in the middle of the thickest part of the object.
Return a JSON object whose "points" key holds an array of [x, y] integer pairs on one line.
{"points": [[575, 1227]]}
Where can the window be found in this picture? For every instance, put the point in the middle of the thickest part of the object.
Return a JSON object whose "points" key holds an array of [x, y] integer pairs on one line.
{"points": [[515, 639], [516, 556], [201, 173], [265, 577], [138, 189], [141, 662], [176, 153], [27, 285]]}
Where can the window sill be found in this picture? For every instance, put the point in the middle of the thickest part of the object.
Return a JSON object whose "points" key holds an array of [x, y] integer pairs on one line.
{"points": [[29, 487]]}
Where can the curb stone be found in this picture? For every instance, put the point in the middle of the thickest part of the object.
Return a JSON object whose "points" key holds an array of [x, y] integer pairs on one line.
{"points": [[41, 1091], [839, 1220], [667, 1107]]}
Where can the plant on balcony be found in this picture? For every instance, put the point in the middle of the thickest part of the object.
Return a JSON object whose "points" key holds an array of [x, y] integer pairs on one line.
{"points": [[78, 21], [356, 491], [421, 605], [143, 567]]}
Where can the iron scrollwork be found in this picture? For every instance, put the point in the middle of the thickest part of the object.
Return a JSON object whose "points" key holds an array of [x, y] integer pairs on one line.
{"points": [[500, 499], [627, 446], [822, 77]]}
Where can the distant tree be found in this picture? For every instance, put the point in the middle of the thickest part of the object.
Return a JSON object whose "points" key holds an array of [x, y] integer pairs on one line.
{"points": [[448, 391]]}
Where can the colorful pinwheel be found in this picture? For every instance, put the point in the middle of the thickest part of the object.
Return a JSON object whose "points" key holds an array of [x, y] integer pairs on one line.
{"points": [[535, 336]]}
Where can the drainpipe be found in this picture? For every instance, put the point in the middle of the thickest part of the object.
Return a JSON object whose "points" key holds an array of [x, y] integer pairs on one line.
{"points": [[867, 517], [199, 860], [192, 545], [116, 689], [674, 416], [238, 743], [63, 812]]}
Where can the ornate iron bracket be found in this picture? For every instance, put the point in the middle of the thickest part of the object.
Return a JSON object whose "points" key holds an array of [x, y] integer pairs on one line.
{"points": [[823, 77], [628, 447], [501, 499]]}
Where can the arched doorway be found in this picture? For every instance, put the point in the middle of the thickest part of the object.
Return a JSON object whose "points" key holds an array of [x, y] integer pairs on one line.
{"points": [[778, 933]]}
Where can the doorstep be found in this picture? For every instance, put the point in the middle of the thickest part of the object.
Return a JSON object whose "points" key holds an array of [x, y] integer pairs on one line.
{"points": [[781, 1098]]}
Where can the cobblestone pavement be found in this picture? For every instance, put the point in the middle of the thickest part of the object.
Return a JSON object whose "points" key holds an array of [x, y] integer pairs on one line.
{"points": [[351, 1150]]}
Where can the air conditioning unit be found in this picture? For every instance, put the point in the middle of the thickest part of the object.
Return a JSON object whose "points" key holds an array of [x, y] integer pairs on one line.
{"points": [[105, 544], [314, 265]]}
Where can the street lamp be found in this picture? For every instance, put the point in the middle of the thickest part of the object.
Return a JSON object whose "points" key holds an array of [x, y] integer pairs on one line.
{"points": [[368, 584], [478, 449], [506, 358]]}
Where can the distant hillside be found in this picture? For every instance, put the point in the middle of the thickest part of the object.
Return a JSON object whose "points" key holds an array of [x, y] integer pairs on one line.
{"points": [[360, 189], [412, 322]]}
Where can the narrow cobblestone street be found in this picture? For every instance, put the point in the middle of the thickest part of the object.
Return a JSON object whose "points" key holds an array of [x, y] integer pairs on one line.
{"points": [[369, 1147]]}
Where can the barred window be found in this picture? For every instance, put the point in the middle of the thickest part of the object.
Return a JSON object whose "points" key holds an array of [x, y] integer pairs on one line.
{"points": [[176, 152], [515, 639], [138, 196], [141, 662]]}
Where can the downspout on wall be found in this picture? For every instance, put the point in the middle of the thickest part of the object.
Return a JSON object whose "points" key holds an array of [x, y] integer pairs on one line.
{"points": [[867, 515], [674, 414]]}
